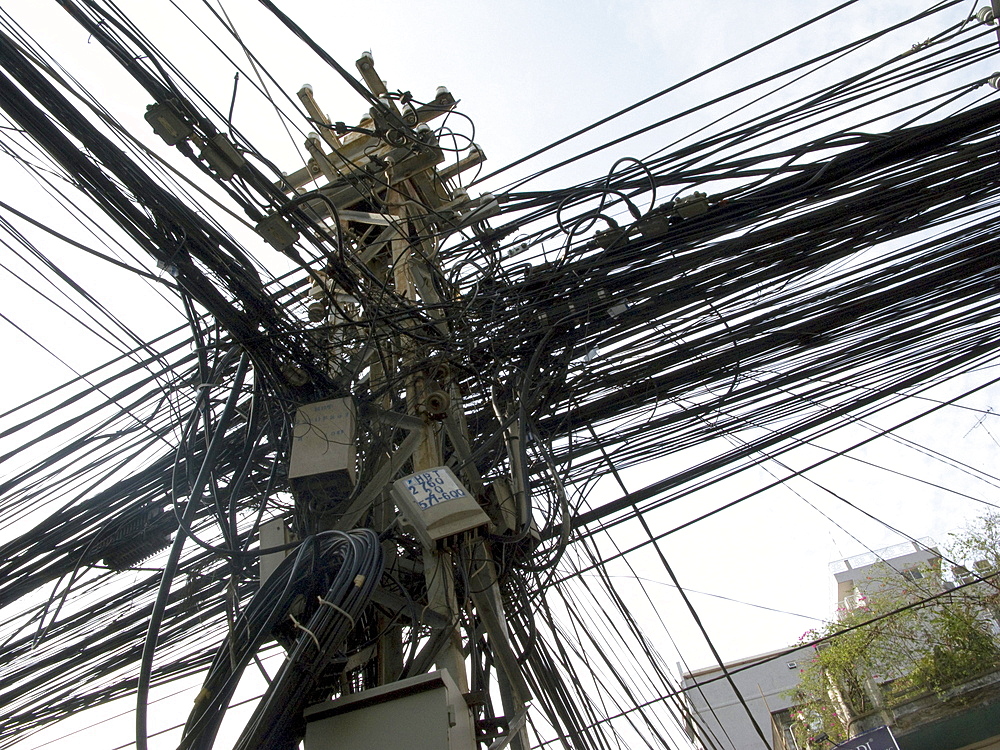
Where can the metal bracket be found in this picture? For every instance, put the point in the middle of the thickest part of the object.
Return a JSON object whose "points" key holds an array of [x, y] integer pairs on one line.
{"points": [[516, 725], [378, 483]]}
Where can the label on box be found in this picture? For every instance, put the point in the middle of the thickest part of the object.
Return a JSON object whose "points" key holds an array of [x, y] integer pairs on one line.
{"points": [[431, 487]]}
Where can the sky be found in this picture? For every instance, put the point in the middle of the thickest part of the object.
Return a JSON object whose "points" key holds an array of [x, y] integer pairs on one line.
{"points": [[527, 73]]}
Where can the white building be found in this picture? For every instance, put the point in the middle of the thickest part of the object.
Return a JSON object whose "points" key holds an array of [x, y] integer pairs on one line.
{"points": [[863, 574]]}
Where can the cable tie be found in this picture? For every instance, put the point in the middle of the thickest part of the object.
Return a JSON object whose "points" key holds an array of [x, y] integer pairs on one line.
{"points": [[338, 609], [302, 627]]}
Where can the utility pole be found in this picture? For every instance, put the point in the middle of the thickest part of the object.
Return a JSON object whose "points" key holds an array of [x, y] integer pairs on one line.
{"points": [[379, 441], [383, 191]]}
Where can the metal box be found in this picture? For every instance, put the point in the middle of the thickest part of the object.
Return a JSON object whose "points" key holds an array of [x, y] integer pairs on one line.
{"points": [[322, 469], [273, 533], [437, 505], [426, 712]]}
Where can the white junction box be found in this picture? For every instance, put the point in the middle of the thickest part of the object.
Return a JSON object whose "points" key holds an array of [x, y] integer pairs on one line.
{"points": [[437, 505], [324, 452], [426, 712], [273, 533]]}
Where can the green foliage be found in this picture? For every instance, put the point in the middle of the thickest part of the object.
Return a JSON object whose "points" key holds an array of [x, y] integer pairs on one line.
{"points": [[901, 643], [979, 542], [965, 649]]}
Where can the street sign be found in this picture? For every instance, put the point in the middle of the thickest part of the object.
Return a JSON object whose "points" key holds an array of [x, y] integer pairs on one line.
{"points": [[875, 739]]}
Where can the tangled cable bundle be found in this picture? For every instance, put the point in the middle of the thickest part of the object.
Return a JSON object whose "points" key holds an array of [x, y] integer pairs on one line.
{"points": [[799, 253]]}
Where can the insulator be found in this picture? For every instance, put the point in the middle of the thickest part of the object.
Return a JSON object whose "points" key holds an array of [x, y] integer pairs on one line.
{"points": [[440, 373], [410, 115], [317, 311], [437, 403]]}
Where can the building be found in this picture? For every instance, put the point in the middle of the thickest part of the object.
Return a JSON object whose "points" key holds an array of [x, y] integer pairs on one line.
{"points": [[864, 574], [719, 721], [964, 715]]}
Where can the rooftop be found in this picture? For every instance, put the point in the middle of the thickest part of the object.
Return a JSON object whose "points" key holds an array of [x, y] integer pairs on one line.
{"points": [[924, 544]]}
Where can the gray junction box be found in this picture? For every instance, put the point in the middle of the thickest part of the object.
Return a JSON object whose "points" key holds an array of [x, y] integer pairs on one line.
{"points": [[322, 468], [426, 712]]}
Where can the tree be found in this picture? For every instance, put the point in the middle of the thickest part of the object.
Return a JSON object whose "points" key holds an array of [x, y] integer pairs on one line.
{"points": [[909, 636]]}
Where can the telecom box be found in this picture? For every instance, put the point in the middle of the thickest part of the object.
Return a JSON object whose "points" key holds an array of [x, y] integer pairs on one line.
{"points": [[437, 505], [273, 533], [324, 453], [426, 712]]}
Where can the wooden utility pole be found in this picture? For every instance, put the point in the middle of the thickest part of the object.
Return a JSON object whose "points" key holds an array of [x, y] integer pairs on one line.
{"points": [[380, 189]]}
